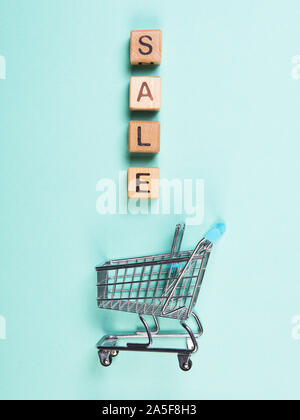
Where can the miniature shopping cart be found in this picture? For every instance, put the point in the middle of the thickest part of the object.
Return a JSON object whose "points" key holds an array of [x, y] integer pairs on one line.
{"points": [[164, 285]]}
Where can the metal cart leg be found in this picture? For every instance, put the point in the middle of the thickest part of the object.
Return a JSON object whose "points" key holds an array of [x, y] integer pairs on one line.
{"points": [[150, 341], [108, 348]]}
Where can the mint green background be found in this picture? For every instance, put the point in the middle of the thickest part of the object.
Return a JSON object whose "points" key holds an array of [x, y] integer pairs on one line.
{"points": [[230, 116]]}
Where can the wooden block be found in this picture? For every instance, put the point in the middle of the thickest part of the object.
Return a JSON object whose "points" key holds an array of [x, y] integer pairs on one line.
{"points": [[144, 136], [143, 182], [145, 93], [145, 47]]}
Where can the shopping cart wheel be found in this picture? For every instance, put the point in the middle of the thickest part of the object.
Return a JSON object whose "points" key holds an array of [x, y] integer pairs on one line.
{"points": [[185, 362], [105, 358]]}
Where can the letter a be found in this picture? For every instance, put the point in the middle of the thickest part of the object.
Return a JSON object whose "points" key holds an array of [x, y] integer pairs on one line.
{"points": [[148, 92]]}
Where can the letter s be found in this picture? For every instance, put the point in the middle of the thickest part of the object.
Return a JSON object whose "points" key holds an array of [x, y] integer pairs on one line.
{"points": [[145, 44]]}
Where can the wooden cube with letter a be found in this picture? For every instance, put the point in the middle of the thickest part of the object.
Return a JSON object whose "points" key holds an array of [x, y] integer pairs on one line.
{"points": [[145, 93], [143, 182], [145, 47], [144, 136]]}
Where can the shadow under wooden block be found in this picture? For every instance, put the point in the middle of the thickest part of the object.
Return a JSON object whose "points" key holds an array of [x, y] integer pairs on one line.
{"points": [[143, 182], [144, 136], [145, 47], [145, 93]]}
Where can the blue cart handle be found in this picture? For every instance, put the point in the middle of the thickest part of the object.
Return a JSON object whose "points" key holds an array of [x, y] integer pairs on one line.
{"points": [[215, 233]]}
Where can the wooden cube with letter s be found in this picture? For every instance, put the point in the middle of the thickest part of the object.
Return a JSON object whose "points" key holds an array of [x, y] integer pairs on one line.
{"points": [[145, 47], [143, 182]]}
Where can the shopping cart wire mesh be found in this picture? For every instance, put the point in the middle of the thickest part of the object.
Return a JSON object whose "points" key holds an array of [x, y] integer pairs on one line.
{"points": [[165, 285]]}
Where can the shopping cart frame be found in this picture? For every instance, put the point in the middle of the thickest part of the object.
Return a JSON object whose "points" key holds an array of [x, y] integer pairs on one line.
{"points": [[108, 346]]}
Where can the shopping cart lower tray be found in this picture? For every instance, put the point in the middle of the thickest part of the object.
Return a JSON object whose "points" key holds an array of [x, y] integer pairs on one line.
{"points": [[164, 285]]}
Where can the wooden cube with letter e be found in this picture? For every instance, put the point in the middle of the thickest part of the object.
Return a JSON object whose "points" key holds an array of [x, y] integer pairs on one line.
{"points": [[144, 136], [145, 93], [145, 47], [143, 182]]}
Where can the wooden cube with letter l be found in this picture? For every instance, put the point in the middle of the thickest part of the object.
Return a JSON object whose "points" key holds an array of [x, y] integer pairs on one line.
{"points": [[144, 136], [145, 47], [145, 93], [143, 182]]}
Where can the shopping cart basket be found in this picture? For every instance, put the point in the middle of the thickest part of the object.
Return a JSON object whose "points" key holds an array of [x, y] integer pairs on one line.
{"points": [[164, 285]]}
